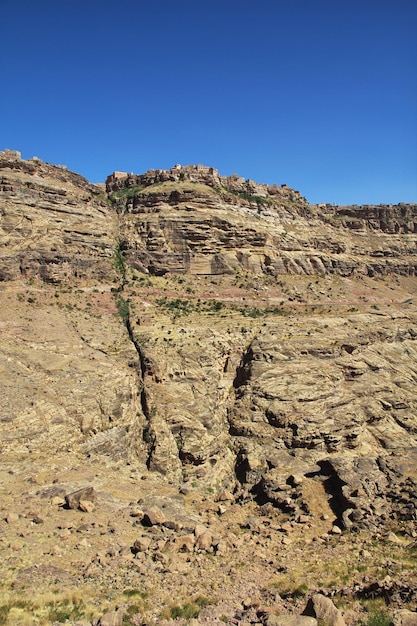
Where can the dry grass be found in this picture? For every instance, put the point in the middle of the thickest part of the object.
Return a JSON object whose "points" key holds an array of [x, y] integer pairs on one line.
{"points": [[169, 186], [23, 609]]}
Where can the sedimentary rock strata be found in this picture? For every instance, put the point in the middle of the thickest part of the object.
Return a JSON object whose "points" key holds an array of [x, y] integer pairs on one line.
{"points": [[202, 375]]}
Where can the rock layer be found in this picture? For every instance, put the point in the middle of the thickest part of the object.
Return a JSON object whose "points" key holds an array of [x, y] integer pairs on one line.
{"points": [[54, 224], [228, 370], [193, 221]]}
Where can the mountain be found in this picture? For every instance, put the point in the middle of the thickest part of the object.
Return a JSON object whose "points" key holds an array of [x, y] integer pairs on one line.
{"points": [[229, 375]]}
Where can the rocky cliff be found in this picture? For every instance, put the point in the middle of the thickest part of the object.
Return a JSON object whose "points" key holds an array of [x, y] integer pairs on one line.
{"points": [[194, 221], [55, 225], [221, 352]]}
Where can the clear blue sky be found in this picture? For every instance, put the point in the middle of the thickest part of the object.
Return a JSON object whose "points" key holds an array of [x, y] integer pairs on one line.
{"points": [[318, 94]]}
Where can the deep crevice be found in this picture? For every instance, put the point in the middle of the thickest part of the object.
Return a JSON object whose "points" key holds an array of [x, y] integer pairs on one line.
{"points": [[142, 367], [148, 436], [333, 486], [243, 371], [123, 307]]}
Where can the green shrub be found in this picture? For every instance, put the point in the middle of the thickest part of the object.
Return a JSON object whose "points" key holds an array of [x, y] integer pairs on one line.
{"points": [[135, 593], [186, 611], [119, 261], [378, 618], [64, 611], [123, 308], [125, 193], [190, 609]]}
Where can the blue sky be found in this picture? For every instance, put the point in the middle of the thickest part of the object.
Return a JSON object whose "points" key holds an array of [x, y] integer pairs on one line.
{"points": [[318, 94]]}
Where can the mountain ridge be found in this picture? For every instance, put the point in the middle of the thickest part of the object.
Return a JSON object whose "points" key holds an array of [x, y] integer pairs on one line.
{"points": [[205, 356]]}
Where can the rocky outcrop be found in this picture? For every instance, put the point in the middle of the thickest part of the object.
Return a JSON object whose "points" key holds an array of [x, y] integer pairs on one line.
{"points": [[208, 176], [190, 220], [315, 409], [53, 224], [208, 387], [401, 218]]}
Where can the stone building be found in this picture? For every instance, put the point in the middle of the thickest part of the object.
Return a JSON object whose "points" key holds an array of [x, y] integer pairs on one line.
{"points": [[12, 154]]}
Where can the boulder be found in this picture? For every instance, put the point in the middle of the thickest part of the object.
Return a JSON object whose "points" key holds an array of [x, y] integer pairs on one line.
{"points": [[324, 611], [186, 543], [204, 540], [200, 529], [141, 545], [153, 517], [86, 505], [84, 499], [403, 617], [113, 618]]}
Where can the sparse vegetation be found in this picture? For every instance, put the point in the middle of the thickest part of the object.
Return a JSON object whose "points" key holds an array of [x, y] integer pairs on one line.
{"points": [[290, 585], [204, 395], [123, 308], [187, 610], [44, 609], [180, 307], [125, 193], [176, 306], [252, 198], [377, 614], [135, 593], [379, 618], [119, 261], [142, 280]]}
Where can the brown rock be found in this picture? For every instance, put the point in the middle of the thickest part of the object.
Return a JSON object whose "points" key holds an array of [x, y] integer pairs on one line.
{"points": [[87, 506], [113, 618], [404, 617], [172, 525], [200, 529], [153, 517], [287, 527], [204, 540], [83, 544], [323, 609], [186, 543], [224, 496], [141, 545], [57, 501], [221, 547], [80, 498]]}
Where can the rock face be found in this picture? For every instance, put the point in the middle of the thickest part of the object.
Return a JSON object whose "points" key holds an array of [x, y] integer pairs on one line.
{"points": [[318, 408], [232, 368], [326, 401], [54, 224], [191, 220]]}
